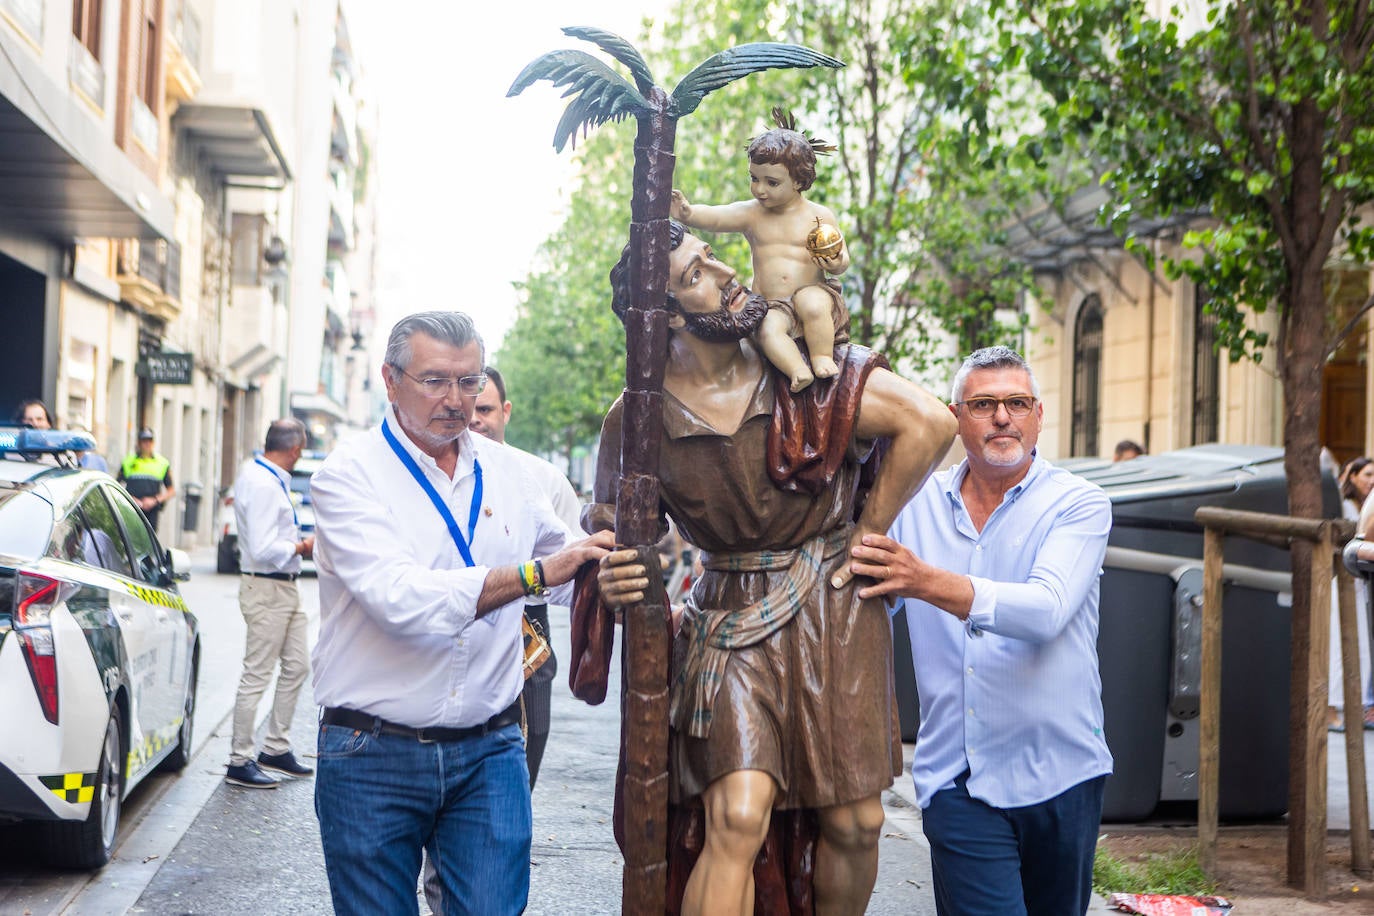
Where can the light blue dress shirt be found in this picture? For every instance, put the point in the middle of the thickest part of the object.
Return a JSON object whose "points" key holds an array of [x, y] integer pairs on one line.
{"points": [[1013, 695]]}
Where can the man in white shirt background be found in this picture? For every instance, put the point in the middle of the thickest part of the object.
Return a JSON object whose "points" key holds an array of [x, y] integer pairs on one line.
{"points": [[270, 552], [999, 561], [429, 541], [489, 418]]}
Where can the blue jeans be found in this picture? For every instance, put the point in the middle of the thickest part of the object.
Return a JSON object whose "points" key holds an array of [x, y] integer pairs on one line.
{"points": [[1031, 861], [380, 799]]}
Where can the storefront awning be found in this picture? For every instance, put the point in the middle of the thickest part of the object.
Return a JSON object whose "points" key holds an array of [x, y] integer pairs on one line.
{"points": [[317, 404], [232, 141], [61, 175]]}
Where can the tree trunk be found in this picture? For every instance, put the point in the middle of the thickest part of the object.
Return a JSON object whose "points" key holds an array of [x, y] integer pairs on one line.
{"points": [[644, 726], [1303, 345]]}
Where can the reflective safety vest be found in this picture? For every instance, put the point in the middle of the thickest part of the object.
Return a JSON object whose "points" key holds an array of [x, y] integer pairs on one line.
{"points": [[144, 476]]}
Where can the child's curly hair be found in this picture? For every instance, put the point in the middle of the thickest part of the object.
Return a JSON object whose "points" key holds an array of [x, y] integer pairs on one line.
{"points": [[791, 148]]}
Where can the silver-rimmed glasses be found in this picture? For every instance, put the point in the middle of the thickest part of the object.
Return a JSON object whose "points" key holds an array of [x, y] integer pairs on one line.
{"points": [[437, 386]]}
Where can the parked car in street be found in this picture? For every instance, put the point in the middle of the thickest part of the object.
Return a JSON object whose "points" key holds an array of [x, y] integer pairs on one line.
{"points": [[98, 651], [227, 551]]}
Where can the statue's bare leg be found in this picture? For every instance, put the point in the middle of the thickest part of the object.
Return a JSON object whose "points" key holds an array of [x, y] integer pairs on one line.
{"points": [[847, 857], [813, 305], [738, 808], [775, 336]]}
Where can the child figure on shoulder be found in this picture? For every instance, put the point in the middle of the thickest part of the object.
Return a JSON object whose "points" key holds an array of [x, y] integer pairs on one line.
{"points": [[794, 244]]}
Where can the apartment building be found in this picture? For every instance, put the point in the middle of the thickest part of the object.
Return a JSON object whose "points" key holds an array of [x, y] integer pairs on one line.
{"points": [[168, 207], [1123, 352]]}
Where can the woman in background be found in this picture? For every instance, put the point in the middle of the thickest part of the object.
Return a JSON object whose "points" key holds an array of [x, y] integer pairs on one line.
{"points": [[1356, 480]]}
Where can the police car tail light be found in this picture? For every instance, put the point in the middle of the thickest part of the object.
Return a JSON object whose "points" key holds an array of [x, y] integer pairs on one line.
{"points": [[36, 596]]}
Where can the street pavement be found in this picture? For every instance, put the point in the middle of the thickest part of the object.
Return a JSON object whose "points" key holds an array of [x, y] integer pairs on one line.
{"points": [[194, 845], [259, 851]]}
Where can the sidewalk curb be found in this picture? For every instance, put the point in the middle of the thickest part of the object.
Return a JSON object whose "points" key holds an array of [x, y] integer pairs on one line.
{"points": [[117, 887]]}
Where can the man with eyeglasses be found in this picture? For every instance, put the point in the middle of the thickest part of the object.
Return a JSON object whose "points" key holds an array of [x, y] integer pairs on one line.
{"points": [[998, 561], [428, 541]]}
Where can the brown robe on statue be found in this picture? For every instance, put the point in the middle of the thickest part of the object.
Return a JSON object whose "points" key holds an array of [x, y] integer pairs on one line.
{"points": [[800, 684]]}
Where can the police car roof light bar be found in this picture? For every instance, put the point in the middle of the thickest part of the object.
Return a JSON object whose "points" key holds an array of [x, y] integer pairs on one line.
{"points": [[42, 441]]}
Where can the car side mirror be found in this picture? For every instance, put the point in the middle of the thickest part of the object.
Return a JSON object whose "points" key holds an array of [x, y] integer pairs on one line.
{"points": [[179, 562]]}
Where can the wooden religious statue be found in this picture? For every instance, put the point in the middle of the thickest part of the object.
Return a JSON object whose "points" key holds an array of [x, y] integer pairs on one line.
{"points": [[758, 722]]}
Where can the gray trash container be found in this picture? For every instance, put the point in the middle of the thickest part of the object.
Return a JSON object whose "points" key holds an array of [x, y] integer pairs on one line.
{"points": [[1149, 636], [190, 495]]}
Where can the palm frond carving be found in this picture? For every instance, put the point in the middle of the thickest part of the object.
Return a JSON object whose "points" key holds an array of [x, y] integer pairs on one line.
{"points": [[620, 49], [601, 93], [729, 65]]}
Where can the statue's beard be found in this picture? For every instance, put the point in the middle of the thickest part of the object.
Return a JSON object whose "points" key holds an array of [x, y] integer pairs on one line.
{"points": [[723, 325]]}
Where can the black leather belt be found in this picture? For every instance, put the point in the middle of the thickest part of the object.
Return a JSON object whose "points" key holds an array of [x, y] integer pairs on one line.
{"points": [[351, 718], [280, 577]]}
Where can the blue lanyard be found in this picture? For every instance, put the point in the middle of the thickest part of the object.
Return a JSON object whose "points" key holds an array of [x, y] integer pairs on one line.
{"points": [[433, 495], [282, 484]]}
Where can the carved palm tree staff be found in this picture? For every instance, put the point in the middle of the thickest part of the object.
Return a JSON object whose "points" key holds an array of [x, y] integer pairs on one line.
{"points": [[601, 95]]}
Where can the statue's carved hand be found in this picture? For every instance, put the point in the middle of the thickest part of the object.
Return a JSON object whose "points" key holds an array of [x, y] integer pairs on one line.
{"points": [[680, 209], [622, 578]]}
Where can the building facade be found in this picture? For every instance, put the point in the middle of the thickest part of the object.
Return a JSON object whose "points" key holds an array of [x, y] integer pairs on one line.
{"points": [[166, 217]]}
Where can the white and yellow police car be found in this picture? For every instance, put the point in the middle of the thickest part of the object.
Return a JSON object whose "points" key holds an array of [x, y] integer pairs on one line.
{"points": [[98, 651]]}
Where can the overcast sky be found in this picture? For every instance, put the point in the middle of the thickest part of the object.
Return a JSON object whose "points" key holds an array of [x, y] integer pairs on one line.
{"points": [[470, 183]]}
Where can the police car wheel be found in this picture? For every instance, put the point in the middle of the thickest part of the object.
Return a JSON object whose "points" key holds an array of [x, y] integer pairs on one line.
{"points": [[180, 756], [89, 843]]}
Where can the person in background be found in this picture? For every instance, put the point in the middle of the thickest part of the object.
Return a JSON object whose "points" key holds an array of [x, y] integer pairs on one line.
{"points": [[34, 414], [1127, 449], [90, 459], [489, 418], [1356, 480], [270, 550], [490, 414], [147, 476]]}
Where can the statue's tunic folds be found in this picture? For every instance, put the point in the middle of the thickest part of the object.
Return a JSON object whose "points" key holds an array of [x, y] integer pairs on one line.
{"points": [[773, 669]]}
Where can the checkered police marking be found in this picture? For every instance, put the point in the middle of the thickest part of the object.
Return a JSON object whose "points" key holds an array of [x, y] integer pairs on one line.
{"points": [[71, 787], [158, 597], [152, 745]]}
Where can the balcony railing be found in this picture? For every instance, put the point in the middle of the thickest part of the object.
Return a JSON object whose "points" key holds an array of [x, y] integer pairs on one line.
{"points": [[186, 32], [159, 263]]}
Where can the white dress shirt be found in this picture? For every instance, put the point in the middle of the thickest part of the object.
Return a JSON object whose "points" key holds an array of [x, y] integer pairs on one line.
{"points": [[266, 519], [555, 485], [399, 634], [1013, 695]]}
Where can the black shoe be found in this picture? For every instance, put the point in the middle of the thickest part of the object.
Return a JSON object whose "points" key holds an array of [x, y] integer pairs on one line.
{"points": [[284, 763], [249, 776]]}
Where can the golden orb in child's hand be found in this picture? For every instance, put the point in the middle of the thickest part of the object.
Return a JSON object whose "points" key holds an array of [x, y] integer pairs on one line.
{"points": [[824, 241]]}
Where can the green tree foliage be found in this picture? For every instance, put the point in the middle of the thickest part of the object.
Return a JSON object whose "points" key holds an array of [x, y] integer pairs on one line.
{"points": [[928, 177], [1262, 120], [925, 180], [564, 356]]}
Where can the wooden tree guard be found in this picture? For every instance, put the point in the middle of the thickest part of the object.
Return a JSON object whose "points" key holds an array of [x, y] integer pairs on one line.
{"points": [[1308, 692]]}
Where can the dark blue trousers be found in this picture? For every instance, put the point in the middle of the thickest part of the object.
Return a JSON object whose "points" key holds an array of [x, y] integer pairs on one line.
{"points": [[1031, 861]]}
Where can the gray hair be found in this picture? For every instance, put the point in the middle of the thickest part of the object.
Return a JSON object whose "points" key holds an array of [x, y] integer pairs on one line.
{"points": [[991, 358], [284, 435], [447, 327]]}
